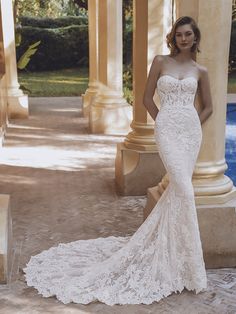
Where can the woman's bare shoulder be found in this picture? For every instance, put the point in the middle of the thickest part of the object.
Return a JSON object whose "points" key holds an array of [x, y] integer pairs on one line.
{"points": [[159, 61], [160, 58]]}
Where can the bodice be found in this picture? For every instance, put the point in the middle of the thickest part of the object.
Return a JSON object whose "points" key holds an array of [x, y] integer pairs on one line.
{"points": [[176, 92]]}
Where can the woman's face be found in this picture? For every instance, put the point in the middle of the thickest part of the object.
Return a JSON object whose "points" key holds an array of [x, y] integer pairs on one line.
{"points": [[184, 37]]}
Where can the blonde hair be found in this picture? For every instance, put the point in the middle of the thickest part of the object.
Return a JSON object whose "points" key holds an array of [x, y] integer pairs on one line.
{"points": [[170, 37]]}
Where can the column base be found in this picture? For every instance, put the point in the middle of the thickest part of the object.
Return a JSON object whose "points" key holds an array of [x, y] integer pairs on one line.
{"points": [[87, 100], [213, 190], [110, 118], [136, 171], [18, 106], [217, 225], [215, 199], [5, 238]]}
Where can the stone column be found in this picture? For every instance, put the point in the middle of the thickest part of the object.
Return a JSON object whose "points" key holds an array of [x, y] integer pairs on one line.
{"points": [[5, 239], [3, 99], [93, 56], [110, 113], [138, 165], [210, 183], [17, 101]]}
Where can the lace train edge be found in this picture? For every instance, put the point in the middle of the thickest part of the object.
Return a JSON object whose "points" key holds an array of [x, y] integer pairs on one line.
{"points": [[92, 298]]}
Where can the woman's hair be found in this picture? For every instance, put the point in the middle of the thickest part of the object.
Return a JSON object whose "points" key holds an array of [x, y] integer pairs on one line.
{"points": [[170, 37]]}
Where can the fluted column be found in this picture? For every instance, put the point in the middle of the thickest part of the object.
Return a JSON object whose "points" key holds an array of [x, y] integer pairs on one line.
{"points": [[17, 101], [110, 113], [138, 157], [3, 98], [93, 56], [211, 185]]}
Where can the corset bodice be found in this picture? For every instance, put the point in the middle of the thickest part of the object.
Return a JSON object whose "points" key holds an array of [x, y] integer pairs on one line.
{"points": [[180, 92]]}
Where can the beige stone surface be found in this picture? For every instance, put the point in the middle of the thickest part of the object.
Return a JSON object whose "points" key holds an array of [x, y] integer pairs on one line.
{"points": [[5, 238], [209, 179], [3, 107], [109, 111], [136, 170], [61, 182], [93, 56]]}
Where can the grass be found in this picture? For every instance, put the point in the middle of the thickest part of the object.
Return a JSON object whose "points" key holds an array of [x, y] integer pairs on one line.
{"points": [[73, 82], [66, 82]]}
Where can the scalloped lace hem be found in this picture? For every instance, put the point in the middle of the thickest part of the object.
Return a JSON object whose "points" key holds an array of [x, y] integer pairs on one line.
{"points": [[100, 296]]}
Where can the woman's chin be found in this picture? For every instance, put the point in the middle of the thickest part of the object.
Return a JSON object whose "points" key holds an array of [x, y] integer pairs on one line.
{"points": [[184, 48]]}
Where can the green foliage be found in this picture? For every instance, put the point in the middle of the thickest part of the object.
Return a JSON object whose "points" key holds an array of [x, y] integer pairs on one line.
{"points": [[233, 10], [53, 23], [18, 38], [128, 95], [127, 76], [71, 40], [127, 41], [127, 83], [128, 8], [25, 58], [49, 8], [60, 48], [232, 52]]}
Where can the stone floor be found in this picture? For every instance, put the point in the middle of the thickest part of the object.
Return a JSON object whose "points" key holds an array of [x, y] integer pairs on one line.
{"points": [[61, 182]]}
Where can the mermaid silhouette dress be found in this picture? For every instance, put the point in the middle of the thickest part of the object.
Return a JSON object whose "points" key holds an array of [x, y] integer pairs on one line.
{"points": [[165, 254]]}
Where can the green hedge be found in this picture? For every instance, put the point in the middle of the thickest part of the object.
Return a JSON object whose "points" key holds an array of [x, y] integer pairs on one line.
{"points": [[53, 23], [60, 47], [232, 53]]}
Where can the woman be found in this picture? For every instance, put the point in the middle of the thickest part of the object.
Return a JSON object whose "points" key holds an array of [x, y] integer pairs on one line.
{"points": [[165, 254]]}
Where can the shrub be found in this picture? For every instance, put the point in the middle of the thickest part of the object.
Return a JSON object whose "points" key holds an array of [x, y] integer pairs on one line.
{"points": [[60, 48], [53, 23], [65, 46], [232, 52]]}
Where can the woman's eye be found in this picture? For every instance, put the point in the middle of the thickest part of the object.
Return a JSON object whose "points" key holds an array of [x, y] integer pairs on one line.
{"points": [[188, 34]]}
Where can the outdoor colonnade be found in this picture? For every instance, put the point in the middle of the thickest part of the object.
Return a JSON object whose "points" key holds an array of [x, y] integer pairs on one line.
{"points": [[138, 166]]}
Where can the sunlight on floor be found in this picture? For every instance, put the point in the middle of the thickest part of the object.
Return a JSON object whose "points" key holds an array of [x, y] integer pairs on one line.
{"points": [[53, 158]]}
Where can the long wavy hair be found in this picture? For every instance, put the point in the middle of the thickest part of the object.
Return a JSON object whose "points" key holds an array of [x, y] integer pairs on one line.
{"points": [[170, 37]]}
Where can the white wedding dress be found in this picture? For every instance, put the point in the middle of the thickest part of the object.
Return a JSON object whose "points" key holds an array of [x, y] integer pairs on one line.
{"points": [[165, 254]]}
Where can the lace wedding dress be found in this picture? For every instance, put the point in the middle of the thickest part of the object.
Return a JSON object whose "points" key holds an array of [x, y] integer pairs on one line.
{"points": [[165, 254]]}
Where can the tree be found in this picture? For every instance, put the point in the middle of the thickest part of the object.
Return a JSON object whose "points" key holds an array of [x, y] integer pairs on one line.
{"points": [[45, 8], [82, 4]]}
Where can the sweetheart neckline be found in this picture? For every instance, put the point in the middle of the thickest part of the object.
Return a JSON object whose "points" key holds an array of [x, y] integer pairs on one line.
{"points": [[177, 78]]}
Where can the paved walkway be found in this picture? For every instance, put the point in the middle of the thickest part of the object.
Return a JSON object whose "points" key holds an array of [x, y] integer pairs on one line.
{"points": [[61, 182]]}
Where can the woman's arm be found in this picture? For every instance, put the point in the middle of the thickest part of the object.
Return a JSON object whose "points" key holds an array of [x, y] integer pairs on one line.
{"points": [[151, 86], [205, 94]]}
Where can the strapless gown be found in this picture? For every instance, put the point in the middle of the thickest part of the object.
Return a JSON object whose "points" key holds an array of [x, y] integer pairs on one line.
{"points": [[165, 254]]}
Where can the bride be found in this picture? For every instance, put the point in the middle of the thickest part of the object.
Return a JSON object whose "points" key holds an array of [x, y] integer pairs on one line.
{"points": [[165, 254]]}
